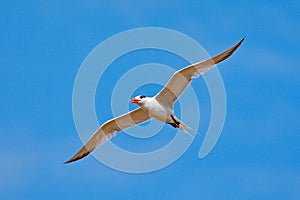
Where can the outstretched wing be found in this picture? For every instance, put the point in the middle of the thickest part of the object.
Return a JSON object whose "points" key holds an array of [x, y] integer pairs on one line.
{"points": [[182, 78], [109, 129]]}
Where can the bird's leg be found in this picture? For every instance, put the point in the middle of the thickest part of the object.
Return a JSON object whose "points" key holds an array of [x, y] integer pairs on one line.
{"points": [[175, 121], [173, 124]]}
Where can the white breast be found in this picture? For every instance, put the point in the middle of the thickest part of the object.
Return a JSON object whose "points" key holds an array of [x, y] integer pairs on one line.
{"points": [[157, 110]]}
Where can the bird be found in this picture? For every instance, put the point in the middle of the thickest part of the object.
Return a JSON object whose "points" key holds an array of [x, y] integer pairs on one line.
{"points": [[160, 107]]}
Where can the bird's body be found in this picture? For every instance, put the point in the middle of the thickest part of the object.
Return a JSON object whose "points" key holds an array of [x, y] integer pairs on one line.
{"points": [[160, 107], [156, 109]]}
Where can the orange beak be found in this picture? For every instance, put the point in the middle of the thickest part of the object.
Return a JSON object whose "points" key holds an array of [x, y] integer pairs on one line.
{"points": [[134, 100]]}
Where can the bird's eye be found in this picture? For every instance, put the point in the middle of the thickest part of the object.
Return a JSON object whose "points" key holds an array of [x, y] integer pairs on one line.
{"points": [[142, 96]]}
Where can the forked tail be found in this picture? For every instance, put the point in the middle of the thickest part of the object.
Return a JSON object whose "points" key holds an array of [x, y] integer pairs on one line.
{"points": [[182, 126]]}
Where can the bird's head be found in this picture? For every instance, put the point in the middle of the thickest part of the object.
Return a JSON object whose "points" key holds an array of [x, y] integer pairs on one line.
{"points": [[140, 99]]}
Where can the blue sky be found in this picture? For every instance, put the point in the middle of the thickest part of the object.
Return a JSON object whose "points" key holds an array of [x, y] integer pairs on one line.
{"points": [[43, 45]]}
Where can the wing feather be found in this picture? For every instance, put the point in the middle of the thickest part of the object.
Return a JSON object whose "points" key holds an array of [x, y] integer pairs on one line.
{"points": [[109, 129], [182, 78]]}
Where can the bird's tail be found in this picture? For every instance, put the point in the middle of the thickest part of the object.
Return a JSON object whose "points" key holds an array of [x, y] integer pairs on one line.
{"points": [[184, 128]]}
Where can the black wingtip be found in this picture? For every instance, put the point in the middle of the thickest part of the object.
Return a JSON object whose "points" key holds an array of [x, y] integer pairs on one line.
{"points": [[240, 42], [79, 155], [72, 160], [226, 54], [66, 162]]}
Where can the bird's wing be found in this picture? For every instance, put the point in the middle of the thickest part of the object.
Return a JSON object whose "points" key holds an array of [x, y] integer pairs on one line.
{"points": [[182, 78], [109, 129]]}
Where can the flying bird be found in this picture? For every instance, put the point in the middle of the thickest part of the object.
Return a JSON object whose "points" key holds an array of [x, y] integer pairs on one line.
{"points": [[160, 107]]}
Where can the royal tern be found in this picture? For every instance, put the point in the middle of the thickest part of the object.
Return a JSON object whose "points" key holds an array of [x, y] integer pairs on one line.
{"points": [[159, 107]]}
